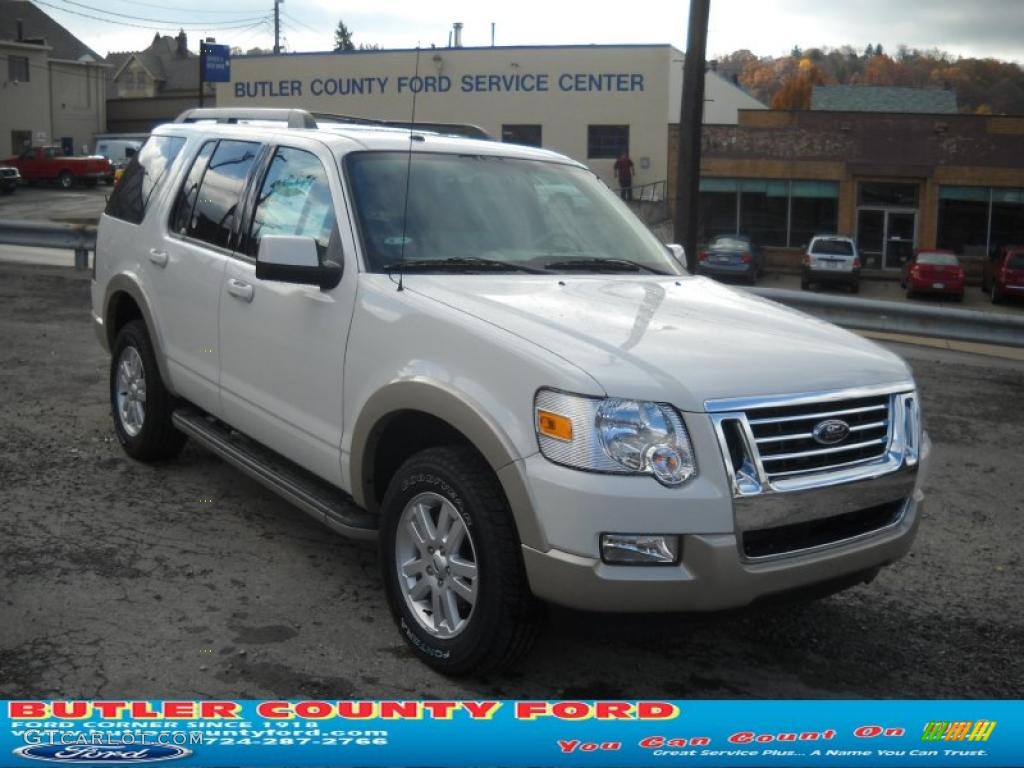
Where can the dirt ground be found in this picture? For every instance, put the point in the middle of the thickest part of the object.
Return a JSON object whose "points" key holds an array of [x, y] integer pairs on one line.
{"points": [[119, 579]]}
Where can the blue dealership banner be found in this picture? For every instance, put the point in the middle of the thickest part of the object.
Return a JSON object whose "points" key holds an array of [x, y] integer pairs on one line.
{"points": [[216, 63], [512, 733]]}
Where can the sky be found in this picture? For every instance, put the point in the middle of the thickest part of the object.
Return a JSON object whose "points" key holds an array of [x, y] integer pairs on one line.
{"points": [[984, 28]]}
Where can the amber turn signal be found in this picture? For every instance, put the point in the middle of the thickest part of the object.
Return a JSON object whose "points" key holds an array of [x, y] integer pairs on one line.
{"points": [[554, 425]]}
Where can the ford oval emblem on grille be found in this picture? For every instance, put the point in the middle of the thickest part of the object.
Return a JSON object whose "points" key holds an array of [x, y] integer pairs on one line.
{"points": [[831, 432]]}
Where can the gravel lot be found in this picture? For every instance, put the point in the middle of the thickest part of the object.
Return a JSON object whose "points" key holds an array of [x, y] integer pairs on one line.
{"points": [[189, 580]]}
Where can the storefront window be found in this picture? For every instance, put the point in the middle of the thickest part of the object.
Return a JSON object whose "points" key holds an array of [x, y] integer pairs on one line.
{"points": [[764, 211], [772, 212], [888, 194], [1007, 217], [976, 221], [814, 210], [717, 208]]}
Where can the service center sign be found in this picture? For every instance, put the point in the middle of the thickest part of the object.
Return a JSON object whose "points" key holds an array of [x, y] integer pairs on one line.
{"points": [[216, 60], [544, 82]]}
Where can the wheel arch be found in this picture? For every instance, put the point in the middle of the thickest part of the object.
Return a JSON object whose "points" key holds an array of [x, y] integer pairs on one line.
{"points": [[422, 405], [124, 301]]}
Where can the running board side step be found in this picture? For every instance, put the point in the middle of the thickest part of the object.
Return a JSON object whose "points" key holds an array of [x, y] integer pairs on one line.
{"points": [[331, 506]]}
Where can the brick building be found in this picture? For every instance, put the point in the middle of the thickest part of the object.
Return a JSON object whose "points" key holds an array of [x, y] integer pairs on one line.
{"points": [[893, 181]]}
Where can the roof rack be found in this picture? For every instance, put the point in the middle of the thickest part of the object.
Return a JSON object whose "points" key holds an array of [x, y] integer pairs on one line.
{"points": [[295, 118], [300, 118], [467, 130]]}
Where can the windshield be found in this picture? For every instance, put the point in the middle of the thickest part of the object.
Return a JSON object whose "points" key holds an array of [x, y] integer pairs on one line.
{"points": [[476, 213], [833, 247], [938, 259]]}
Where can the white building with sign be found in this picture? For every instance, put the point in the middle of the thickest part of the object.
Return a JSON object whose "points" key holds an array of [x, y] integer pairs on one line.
{"points": [[588, 102]]}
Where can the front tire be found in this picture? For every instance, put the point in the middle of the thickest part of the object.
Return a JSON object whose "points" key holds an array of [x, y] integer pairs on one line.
{"points": [[453, 571], [66, 180], [141, 404]]}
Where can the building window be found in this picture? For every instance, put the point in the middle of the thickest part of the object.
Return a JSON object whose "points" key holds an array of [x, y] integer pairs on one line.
{"points": [[607, 141], [17, 69], [887, 194], [814, 210], [763, 211], [976, 221], [771, 212], [527, 135]]}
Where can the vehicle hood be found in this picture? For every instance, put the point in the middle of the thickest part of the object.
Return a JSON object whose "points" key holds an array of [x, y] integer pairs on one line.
{"points": [[681, 340]]}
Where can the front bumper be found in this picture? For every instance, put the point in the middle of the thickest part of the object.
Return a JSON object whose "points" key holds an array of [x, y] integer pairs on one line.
{"points": [[714, 572]]}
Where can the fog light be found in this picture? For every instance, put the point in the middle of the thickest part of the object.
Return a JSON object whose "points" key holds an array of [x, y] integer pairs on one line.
{"points": [[639, 549]]}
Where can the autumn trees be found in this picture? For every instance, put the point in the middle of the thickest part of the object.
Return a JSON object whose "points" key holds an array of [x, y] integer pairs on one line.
{"points": [[981, 85]]}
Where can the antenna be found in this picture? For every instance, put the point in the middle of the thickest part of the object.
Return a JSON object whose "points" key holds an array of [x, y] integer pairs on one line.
{"points": [[408, 171]]}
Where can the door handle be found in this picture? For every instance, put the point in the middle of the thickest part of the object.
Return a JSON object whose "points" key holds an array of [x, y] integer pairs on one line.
{"points": [[240, 290], [158, 257]]}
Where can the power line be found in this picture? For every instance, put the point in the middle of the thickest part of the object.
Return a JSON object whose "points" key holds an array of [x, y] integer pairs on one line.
{"points": [[209, 25], [171, 26], [178, 8], [301, 23]]}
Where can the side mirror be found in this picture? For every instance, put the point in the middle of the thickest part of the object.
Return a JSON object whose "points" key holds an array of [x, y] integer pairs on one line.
{"points": [[678, 253], [293, 259]]}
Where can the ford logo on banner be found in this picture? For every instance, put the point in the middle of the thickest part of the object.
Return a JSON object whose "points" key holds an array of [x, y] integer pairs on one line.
{"points": [[123, 754]]}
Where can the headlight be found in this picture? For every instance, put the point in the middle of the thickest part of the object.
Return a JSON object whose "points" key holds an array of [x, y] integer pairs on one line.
{"points": [[614, 435]]}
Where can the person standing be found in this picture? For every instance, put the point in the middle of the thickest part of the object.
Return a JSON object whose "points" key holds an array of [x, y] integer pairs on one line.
{"points": [[624, 174]]}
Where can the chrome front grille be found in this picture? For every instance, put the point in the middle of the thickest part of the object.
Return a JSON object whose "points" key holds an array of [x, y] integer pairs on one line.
{"points": [[787, 446], [798, 442]]}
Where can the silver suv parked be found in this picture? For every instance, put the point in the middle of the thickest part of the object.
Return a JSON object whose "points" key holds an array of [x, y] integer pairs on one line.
{"points": [[403, 334], [831, 260]]}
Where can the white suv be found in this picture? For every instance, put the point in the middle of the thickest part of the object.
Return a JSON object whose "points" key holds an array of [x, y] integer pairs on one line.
{"points": [[831, 260], [404, 335]]}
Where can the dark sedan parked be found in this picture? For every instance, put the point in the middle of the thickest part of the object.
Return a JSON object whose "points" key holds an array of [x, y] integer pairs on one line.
{"points": [[734, 257]]}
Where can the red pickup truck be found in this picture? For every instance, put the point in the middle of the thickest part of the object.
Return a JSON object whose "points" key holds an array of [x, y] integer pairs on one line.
{"points": [[51, 164]]}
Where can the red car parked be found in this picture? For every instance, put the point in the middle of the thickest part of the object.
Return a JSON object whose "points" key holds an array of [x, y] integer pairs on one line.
{"points": [[936, 272], [1008, 275]]}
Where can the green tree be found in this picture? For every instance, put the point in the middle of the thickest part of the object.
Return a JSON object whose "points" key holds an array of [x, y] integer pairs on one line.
{"points": [[343, 38]]}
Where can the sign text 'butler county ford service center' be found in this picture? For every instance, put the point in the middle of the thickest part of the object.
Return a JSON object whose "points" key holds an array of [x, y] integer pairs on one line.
{"points": [[564, 82]]}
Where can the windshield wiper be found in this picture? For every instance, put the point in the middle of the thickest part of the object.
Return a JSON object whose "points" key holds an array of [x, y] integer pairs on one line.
{"points": [[594, 262], [460, 264]]}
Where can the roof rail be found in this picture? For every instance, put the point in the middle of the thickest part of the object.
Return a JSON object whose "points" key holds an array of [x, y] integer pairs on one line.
{"points": [[295, 118], [467, 130]]}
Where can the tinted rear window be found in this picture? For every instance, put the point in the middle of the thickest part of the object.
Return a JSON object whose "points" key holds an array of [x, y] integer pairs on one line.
{"points": [[939, 259], [832, 247], [131, 196], [1015, 261]]}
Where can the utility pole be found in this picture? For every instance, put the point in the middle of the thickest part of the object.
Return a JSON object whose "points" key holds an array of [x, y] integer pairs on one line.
{"points": [[691, 115], [277, 26]]}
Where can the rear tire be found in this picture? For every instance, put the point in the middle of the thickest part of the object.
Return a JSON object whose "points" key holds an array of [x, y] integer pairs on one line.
{"points": [[855, 287], [805, 284], [437, 496], [66, 180], [140, 402], [997, 295]]}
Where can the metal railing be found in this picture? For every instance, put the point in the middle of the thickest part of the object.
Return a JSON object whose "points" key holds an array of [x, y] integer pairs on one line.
{"points": [[910, 319], [80, 238], [860, 314]]}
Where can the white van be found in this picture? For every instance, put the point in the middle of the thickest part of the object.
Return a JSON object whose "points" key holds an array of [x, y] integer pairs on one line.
{"points": [[118, 151]]}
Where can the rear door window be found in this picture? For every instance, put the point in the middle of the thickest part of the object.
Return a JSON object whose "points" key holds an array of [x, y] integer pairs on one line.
{"points": [[181, 216], [295, 199], [217, 203], [141, 178]]}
